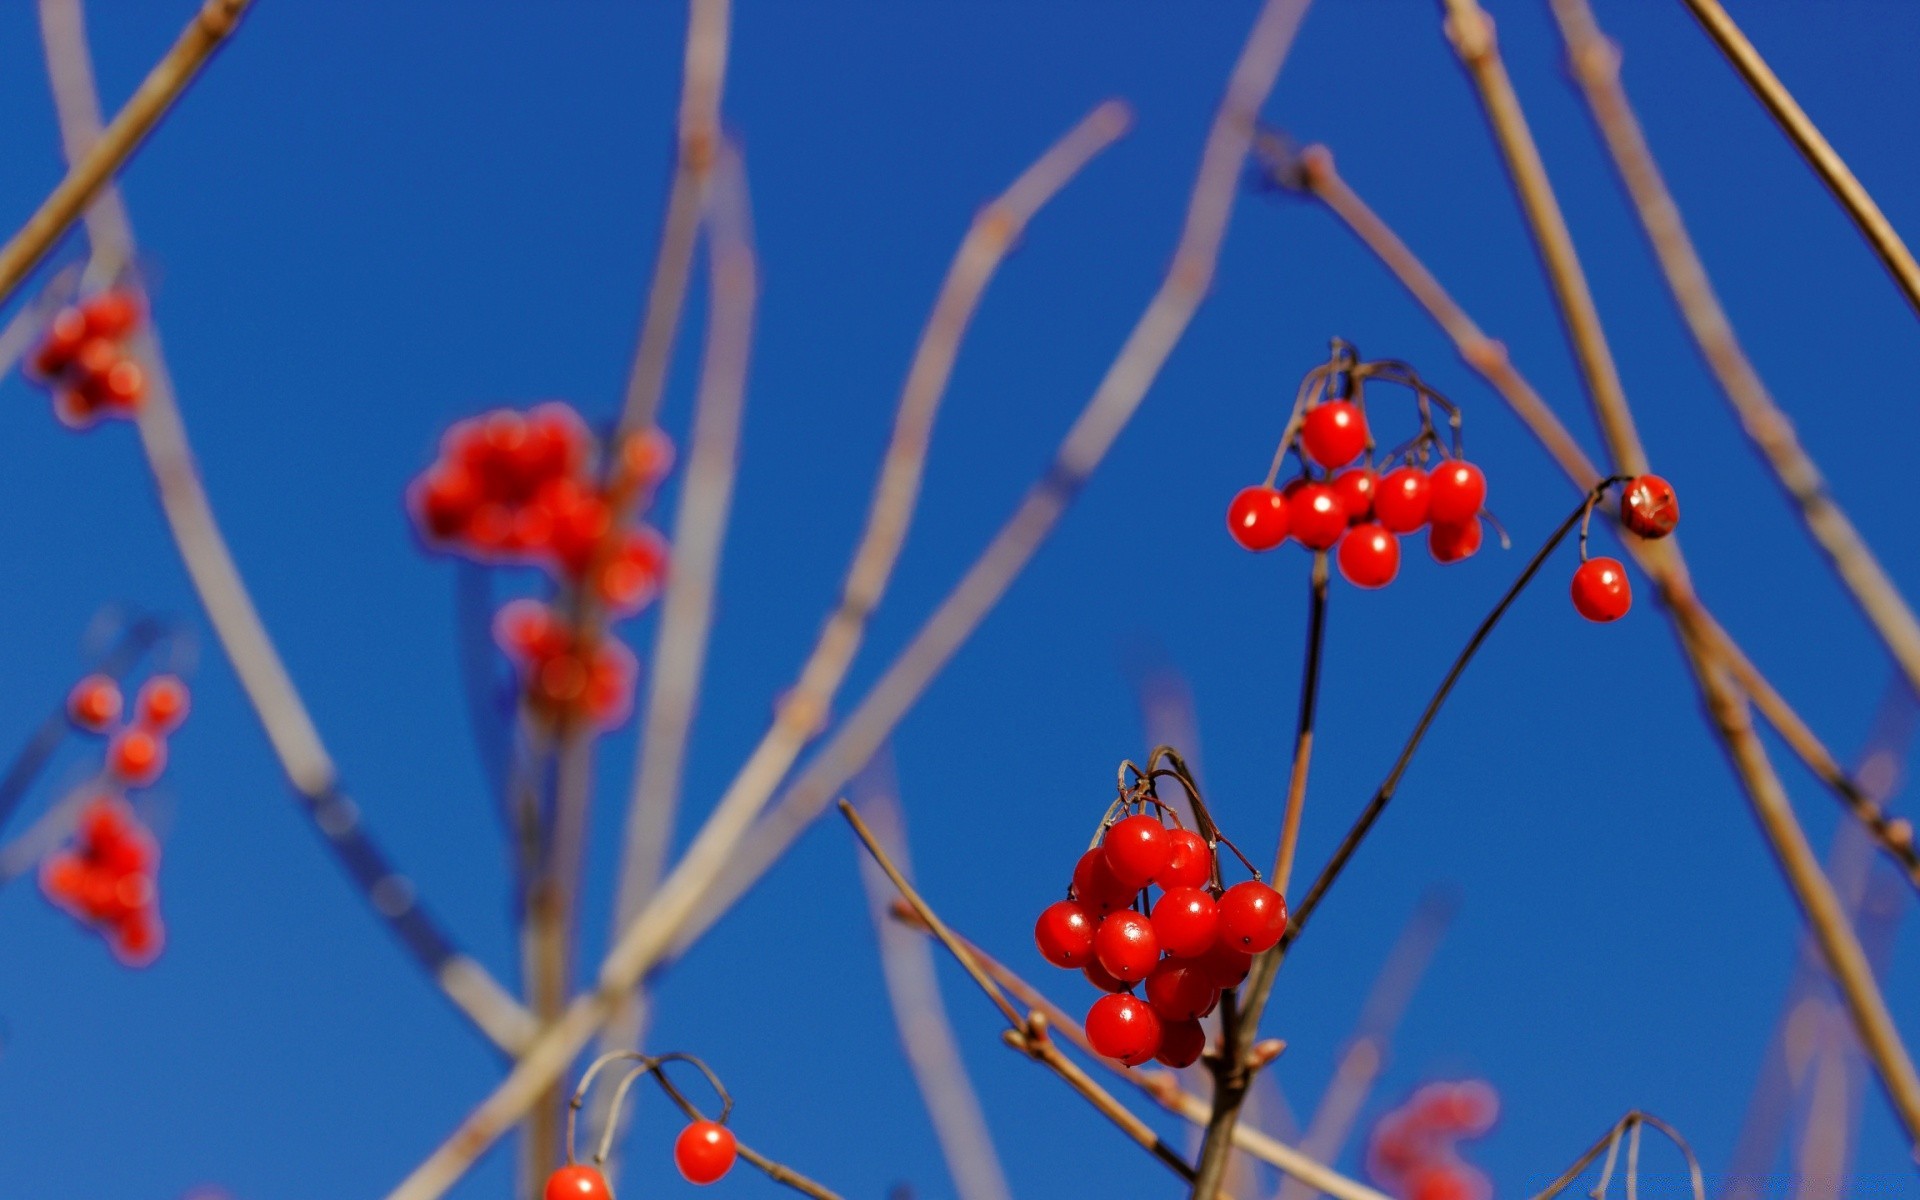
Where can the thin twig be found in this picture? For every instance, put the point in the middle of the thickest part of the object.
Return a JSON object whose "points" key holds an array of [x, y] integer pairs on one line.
{"points": [[1610, 1142], [216, 579], [1806, 137], [913, 990], [778, 1172], [1472, 34], [1595, 63]]}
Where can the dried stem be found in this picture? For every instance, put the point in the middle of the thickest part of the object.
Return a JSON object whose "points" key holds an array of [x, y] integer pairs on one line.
{"points": [[1820, 155], [1303, 736], [1728, 709], [926, 1034], [1313, 171], [1609, 1143], [215, 577], [1595, 63]]}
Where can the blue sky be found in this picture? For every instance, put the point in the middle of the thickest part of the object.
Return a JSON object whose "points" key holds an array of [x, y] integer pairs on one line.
{"points": [[366, 222]]}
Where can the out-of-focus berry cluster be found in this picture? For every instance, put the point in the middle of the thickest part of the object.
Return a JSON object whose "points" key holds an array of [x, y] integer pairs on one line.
{"points": [[83, 359], [1414, 1150]]}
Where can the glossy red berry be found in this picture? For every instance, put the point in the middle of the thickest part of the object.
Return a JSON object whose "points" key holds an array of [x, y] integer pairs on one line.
{"points": [[1125, 945], [1064, 934], [1181, 1043], [1252, 916], [1451, 543], [1601, 591], [1356, 489], [1649, 507], [1369, 556], [577, 1182], [1181, 989], [1257, 518], [94, 703], [1185, 921], [1456, 493], [136, 756], [1189, 861], [704, 1151], [1225, 964], [1316, 516], [1334, 432], [161, 703], [1098, 977], [1123, 1027], [1094, 885], [1137, 850], [1400, 502]]}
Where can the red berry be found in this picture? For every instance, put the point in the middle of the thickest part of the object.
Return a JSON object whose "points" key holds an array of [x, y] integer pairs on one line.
{"points": [[123, 386], [136, 756], [1225, 964], [1356, 490], [704, 1151], [1601, 591], [1457, 492], [1181, 1043], [137, 938], [631, 577], [94, 703], [445, 500], [1123, 1027], [91, 362], [1400, 502], [1181, 989], [1369, 556], [73, 409], [1334, 432], [1649, 507], [1098, 977], [1438, 1183], [1185, 921], [1252, 916], [1094, 885], [64, 334], [1125, 945], [1137, 850], [161, 703], [608, 696], [1064, 934], [1317, 516], [576, 1182], [646, 457], [1451, 543], [1257, 518], [111, 314], [1189, 861]]}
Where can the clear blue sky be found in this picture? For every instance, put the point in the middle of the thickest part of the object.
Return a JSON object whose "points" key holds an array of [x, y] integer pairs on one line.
{"points": [[369, 220]]}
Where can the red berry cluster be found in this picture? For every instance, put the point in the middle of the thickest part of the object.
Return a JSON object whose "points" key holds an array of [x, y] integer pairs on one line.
{"points": [[83, 359], [137, 751], [565, 673], [106, 880], [1195, 941], [1364, 507], [704, 1152], [1648, 508], [1413, 1150]]}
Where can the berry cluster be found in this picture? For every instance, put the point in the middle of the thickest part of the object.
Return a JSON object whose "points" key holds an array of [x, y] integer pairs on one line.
{"points": [[1197, 940], [565, 673], [704, 1152], [106, 880], [1364, 507], [83, 359], [136, 751], [1413, 1150], [1648, 508]]}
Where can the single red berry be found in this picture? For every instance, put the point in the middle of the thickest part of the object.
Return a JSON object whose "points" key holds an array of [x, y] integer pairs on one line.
{"points": [[64, 334], [72, 408], [1225, 964], [631, 577], [646, 457], [1451, 543], [1181, 1043], [1189, 861], [1185, 921], [444, 501], [611, 671], [1181, 989], [577, 1182], [1064, 934], [1125, 945], [1400, 502], [1356, 489], [1334, 432], [111, 314], [161, 704], [1369, 556], [1439, 1182], [1098, 977], [1257, 518], [1123, 1027], [122, 387], [137, 938], [1317, 516], [1601, 591], [704, 1151], [1649, 507], [1457, 492], [1094, 885], [136, 756], [94, 703], [1252, 916], [1137, 850]]}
